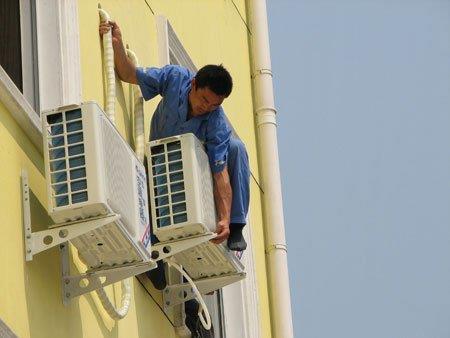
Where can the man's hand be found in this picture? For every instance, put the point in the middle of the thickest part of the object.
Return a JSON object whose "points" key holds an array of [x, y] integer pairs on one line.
{"points": [[223, 231], [124, 67], [104, 28]]}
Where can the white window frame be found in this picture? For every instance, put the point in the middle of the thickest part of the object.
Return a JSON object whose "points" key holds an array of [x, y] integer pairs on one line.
{"points": [[58, 58], [242, 318]]}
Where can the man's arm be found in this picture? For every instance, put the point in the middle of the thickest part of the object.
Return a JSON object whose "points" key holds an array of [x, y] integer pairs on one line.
{"points": [[223, 197], [124, 67]]}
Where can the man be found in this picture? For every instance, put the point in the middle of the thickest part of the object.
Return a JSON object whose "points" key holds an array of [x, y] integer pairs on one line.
{"points": [[191, 104]]}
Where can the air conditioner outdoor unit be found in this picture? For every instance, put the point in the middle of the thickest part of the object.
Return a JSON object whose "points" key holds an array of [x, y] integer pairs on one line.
{"points": [[92, 172], [182, 201], [182, 204]]}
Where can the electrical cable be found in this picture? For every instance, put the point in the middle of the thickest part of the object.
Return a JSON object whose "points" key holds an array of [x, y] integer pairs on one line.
{"points": [[151, 10]]}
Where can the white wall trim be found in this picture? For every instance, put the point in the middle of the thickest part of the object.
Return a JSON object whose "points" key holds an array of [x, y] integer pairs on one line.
{"points": [[58, 53], [241, 301], [162, 40], [20, 109], [169, 46]]}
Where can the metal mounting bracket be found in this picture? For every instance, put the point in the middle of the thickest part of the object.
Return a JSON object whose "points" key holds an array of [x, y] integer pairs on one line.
{"points": [[163, 250], [180, 293], [74, 286], [39, 241]]}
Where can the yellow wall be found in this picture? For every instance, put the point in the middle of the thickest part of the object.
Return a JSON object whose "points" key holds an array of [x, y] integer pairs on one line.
{"points": [[211, 32]]}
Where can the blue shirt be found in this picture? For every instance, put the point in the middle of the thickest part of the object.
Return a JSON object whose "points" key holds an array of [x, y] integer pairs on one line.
{"points": [[173, 83]]}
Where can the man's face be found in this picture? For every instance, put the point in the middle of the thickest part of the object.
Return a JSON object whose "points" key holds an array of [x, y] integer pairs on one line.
{"points": [[203, 100]]}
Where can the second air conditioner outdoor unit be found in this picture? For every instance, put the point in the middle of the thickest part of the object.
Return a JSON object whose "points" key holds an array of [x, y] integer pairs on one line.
{"points": [[182, 203]]}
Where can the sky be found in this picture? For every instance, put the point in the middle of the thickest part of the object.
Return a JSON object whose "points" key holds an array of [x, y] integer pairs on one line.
{"points": [[362, 89]]}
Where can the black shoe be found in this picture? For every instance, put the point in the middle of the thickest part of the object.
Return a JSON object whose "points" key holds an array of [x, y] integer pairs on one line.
{"points": [[193, 321], [157, 276], [236, 241]]}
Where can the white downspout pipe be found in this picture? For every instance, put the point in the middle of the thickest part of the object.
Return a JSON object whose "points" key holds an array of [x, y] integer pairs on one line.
{"points": [[275, 241]]}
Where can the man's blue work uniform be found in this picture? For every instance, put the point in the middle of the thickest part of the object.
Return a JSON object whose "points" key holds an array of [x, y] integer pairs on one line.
{"points": [[173, 83]]}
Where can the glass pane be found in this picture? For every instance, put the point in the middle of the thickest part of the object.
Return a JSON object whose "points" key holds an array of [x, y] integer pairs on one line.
{"points": [[177, 187], [57, 153], [157, 149], [79, 197], [162, 211], [161, 190], [76, 161], [160, 201], [77, 173], [54, 118], [176, 177], [74, 126], [57, 129], [57, 141], [180, 197], [173, 146], [76, 150], [61, 201], [174, 156], [73, 114], [75, 138], [59, 177], [159, 169], [162, 222], [175, 166], [78, 185], [60, 189], [159, 159], [58, 165], [176, 208], [158, 180], [180, 218]]}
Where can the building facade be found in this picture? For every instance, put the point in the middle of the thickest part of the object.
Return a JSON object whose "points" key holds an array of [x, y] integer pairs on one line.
{"points": [[52, 56]]}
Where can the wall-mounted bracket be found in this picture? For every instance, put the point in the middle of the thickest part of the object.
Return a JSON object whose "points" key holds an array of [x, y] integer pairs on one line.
{"points": [[77, 285], [180, 293], [39, 241], [163, 250]]}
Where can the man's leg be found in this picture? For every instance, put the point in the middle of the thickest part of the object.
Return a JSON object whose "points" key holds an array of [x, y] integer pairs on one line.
{"points": [[239, 171]]}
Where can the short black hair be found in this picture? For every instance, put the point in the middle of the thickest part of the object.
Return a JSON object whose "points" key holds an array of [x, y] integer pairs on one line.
{"points": [[216, 78]]}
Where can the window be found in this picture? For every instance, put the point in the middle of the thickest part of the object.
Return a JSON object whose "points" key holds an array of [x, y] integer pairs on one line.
{"points": [[18, 50]]}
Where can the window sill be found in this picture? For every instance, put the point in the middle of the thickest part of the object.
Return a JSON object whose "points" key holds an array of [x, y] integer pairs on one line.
{"points": [[20, 109]]}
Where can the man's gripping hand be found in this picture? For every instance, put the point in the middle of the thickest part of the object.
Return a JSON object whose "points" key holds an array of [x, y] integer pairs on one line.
{"points": [[104, 28], [223, 231]]}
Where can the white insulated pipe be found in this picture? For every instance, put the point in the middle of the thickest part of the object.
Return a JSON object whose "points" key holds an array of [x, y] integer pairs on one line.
{"points": [[265, 114], [108, 60], [139, 138], [108, 57]]}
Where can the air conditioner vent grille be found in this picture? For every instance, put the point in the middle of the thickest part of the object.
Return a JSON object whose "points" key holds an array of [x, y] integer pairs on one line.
{"points": [[67, 161], [169, 185]]}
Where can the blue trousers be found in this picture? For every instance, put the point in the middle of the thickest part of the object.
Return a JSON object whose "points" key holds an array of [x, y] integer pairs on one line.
{"points": [[239, 172]]}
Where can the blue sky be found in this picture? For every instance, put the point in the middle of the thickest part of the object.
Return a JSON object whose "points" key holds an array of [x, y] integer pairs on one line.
{"points": [[363, 90]]}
